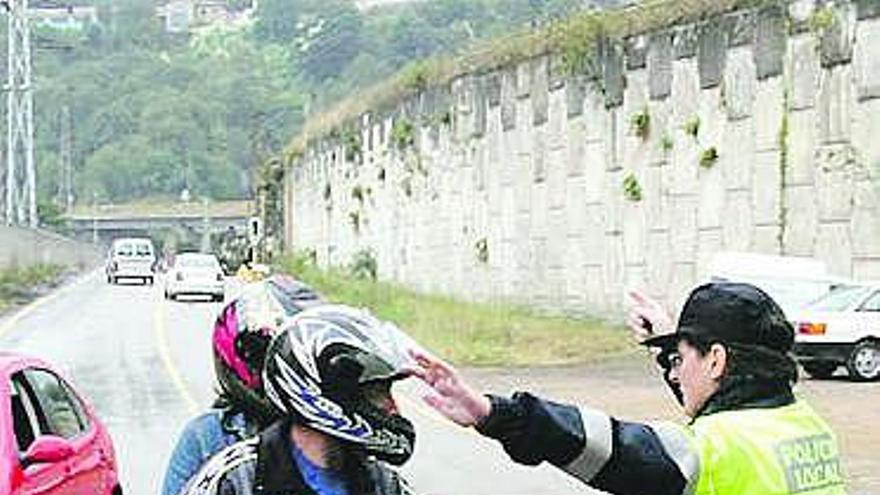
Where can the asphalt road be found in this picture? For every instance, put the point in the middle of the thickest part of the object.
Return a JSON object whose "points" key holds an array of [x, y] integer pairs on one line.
{"points": [[145, 364]]}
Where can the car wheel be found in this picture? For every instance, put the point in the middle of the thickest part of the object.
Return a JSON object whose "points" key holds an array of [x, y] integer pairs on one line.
{"points": [[820, 369], [864, 361]]}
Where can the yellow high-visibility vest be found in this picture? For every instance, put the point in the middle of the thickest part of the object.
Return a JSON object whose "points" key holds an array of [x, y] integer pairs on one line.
{"points": [[785, 450]]}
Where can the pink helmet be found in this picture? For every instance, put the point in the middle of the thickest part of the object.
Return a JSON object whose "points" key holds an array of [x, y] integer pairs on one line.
{"points": [[242, 333]]}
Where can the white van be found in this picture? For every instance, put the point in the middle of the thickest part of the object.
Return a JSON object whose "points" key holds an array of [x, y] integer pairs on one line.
{"points": [[792, 281], [131, 258]]}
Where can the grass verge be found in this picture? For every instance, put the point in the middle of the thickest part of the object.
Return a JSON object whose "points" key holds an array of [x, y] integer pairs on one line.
{"points": [[19, 284], [470, 333]]}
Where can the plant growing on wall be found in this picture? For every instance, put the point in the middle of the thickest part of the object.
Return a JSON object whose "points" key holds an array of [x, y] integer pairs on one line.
{"points": [[381, 175], [822, 19], [632, 190], [357, 192], [446, 118], [403, 134], [709, 157], [364, 265], [328, 192], [482, 249], [351, 140], [692, 126], [355, 218], [406, 185], [641, 124], [666, 143]]}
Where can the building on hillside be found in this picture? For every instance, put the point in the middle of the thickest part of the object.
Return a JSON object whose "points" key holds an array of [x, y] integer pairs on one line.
{"points": [[67, 17], [184, 16]]}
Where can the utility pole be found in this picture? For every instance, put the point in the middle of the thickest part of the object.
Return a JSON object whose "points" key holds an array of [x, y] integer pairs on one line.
{"points": [[21, 177], [65, 165]]}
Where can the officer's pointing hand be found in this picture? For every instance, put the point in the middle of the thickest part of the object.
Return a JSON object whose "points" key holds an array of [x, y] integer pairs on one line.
{"points": [[647, 317], [452, 397]]}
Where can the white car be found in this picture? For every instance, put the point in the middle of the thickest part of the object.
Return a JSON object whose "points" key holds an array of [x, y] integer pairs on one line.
{"points": [[841, 328], [193, 274], [131, 258]]}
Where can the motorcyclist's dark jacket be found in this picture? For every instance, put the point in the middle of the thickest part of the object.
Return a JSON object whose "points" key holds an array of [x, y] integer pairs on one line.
{"points": [[619, 457], [263, 465]]}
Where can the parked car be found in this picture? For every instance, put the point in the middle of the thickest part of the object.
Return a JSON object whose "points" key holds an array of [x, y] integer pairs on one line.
{"points": [[193, 274], [792, 281], [841, 329], [51, 441], [131, 258]]}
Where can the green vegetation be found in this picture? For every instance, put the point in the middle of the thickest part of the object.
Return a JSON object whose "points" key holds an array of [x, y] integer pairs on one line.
{"points": [[692, 126], [574, 38], [822, 19], [364, 266], [17, 285], [632, 190], [641, 124], [403, 134], [482, 248], [709, 157], [666, 143], [469, 333]]}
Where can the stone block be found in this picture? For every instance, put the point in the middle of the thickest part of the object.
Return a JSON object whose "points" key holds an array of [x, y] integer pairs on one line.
{"points": [[635, 231], [659, 62], [802, 144], [836, 40], [737, 226], [866, 130], [594, 240], [684, 41], [655, 189], [576, 145], [595, 282], [769, 102], [575, 206], [508, 99], [523, 80], [801, 220], [659, 261], [575, 92], [709, 243], [613, 200], [556, 176], [613, 76], [737, 165], [539, 157], [740, 28], [492, 85], [556, 120], [712, 199], [804, 70], [836, 105], [866, 63], [684, 278], [685, 91], [613, 270], [614, 136], [739, 83], [834, 247], [594, 172], [837, 168], [539, 90], [683, 228], [766, 240], [684, 166], [596, 117], [766, 189], [770, 41], [481, 109], [635, 50], [556, 72], [711, 53]]}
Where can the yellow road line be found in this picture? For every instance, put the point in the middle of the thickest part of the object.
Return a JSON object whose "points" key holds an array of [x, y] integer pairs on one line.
{"points": [[192, 406], [13, 320]]}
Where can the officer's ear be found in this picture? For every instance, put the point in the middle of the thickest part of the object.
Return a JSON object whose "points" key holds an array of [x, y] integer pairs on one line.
{"points": [[717, 358]]}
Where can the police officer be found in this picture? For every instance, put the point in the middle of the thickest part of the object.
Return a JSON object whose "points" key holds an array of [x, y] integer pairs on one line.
{"points": [[727, 362]]}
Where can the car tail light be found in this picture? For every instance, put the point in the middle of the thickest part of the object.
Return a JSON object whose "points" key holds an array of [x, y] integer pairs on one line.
{"points": [[114, 267], [219, 277], [179, 277], [812, 328]]}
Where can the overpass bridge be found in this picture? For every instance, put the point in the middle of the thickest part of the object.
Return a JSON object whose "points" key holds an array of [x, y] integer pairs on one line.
{"points": [[105, 222]]}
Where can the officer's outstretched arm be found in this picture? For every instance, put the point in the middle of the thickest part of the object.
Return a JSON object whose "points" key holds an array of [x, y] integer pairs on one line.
{"points": [[614, 456]]}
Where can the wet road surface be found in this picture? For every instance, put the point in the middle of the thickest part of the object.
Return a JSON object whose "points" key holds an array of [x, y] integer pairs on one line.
{"points": [[145, 364]]}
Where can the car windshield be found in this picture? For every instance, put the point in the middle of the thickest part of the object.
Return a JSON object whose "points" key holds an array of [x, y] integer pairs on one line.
{"points": [[839, 299], [143, 250], [198, 262], [123, 250]]}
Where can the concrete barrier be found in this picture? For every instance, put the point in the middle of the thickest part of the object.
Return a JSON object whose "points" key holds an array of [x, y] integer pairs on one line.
{"points": [[27, 247]]}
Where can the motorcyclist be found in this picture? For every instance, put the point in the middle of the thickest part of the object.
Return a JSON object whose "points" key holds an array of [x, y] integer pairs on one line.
{"points": [[241, 335], [329, 375]]}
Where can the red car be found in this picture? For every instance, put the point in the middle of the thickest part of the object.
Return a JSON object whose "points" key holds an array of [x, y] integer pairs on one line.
{"points": [[51, 442]]}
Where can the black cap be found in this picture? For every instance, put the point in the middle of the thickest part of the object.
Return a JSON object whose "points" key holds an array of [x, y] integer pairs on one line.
{"points": [[731, 313]]}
